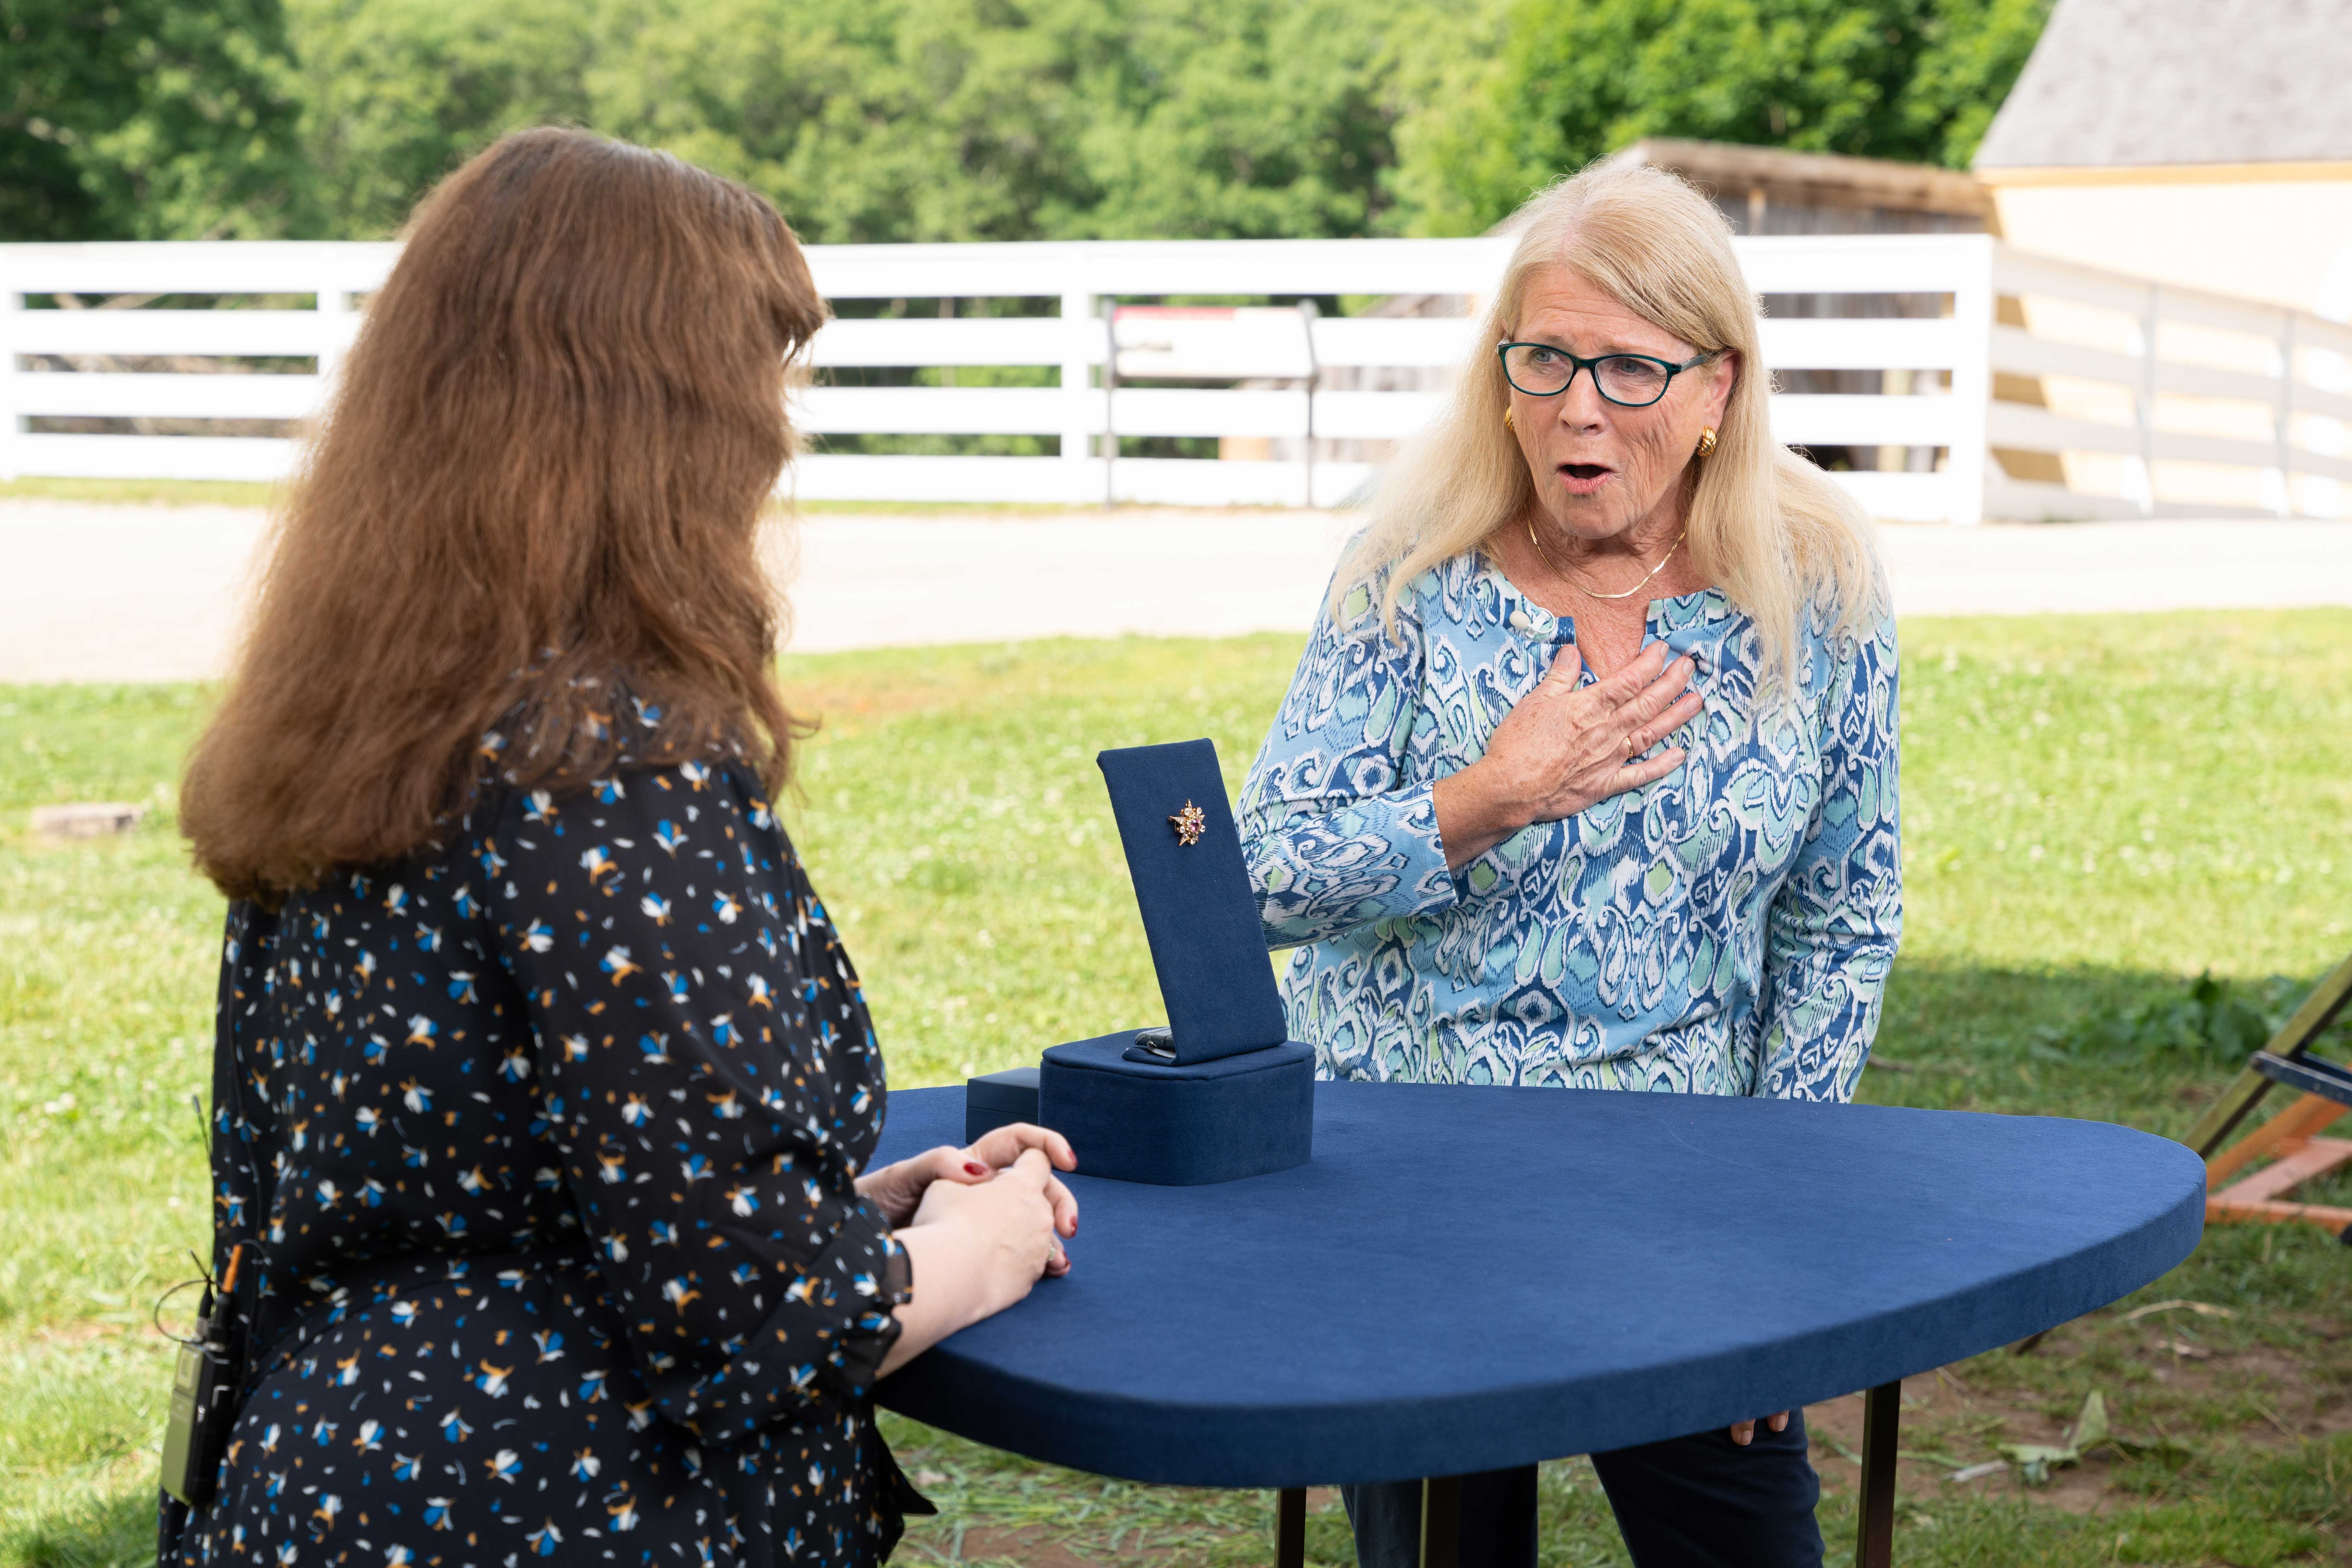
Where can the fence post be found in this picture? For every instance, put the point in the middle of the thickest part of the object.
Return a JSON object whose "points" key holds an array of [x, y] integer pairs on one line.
{"points": [[1970, 448], [2286, 415], [2144, 404], [1307, 312], [334, 304], [1078, 330], [10, 304]]}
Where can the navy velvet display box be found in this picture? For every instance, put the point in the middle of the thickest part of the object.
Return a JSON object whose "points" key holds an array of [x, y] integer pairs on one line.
{"points": [[998, 1100], [1180, 1125], [1228, 1095]]}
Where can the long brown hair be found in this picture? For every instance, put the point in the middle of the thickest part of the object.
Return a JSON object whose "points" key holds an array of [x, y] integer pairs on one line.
{"points": [[530, 513]]}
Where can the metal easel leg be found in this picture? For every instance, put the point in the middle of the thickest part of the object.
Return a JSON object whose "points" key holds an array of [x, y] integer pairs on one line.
{"points": [[1882, 1415], [1290, 1528], [1440, 1523]]}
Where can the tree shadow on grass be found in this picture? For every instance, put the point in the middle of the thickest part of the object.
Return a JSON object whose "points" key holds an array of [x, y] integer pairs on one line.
{"points": [[115, 1531], [2148, 1048]]}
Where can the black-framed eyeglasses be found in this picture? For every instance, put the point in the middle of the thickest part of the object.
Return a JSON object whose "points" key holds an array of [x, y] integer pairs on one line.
{"points": [[1629, 381]]}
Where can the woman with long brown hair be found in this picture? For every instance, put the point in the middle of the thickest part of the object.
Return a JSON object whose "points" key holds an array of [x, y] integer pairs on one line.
{"points": [[542, 1086]]}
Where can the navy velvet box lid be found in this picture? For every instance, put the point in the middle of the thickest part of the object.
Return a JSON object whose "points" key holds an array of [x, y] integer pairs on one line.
{"points": [[1200, 911], [998, 1100]]}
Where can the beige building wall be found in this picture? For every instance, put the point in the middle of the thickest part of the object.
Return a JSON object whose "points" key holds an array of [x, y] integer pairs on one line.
{"points": [[2276, 232]]}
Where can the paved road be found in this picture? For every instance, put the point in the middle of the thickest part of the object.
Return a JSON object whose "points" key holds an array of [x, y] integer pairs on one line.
{"points": [[90, 593]]}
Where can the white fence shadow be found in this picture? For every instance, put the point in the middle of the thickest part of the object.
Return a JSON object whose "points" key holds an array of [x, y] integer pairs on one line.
{"points": [[1948, 377]]}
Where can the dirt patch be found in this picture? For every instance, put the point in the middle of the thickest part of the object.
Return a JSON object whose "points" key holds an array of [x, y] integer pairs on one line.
{"points": [[1956, 1417], [1032, 1546], [1836, 1429]]}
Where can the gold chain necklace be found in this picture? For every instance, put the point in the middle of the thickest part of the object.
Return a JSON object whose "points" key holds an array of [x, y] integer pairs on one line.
{"points": [[1594, 593]]}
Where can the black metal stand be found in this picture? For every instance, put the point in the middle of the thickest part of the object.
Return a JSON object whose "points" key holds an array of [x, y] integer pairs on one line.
{"points": [[1441, 1499], [1882, 1415], [1290, 1528], [1440, 1523]]}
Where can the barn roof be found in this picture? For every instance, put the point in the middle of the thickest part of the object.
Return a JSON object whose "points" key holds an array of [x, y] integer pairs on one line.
{"points": [[2116, 83]]}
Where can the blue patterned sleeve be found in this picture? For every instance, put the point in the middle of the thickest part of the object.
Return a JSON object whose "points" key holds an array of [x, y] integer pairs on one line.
{"points": [[1831, 936], [1337, 833]]}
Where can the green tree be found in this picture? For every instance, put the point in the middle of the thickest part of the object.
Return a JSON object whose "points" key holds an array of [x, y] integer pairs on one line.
{"points": [[399, 92], [1916, 80], [883, 120], [1243, 119], [145, 120], [957, 120], [887, 120], [943, 120], [1974, 53]]}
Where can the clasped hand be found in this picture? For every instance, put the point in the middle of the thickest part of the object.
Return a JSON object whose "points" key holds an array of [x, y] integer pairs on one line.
{"points": [[1566, 747], [938, 1183]]}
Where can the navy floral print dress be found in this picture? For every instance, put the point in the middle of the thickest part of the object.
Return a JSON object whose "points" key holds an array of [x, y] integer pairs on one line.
{"points": [[544, 1143]]}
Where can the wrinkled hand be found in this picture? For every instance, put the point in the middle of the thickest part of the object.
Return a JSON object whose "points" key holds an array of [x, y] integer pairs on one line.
{"points": [[1566, 747], [898, 1189], [1744, 1432]]}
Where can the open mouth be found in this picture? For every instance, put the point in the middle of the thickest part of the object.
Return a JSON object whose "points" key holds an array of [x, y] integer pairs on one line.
{"points": [[1584, 479]]}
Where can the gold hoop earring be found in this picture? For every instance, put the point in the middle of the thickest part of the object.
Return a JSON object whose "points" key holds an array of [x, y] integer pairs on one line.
{"points": [[1510, 424], [1706, 441]]}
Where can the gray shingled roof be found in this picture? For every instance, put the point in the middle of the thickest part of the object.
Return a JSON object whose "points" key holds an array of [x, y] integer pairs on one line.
{"points": [[2122, 82]]}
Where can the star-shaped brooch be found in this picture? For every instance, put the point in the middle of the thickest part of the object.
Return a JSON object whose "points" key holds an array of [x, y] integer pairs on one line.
{"points": [[1188, 824]]}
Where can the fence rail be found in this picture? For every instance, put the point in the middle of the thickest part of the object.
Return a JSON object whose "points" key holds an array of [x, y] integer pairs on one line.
{"points": [[1950, 378]]}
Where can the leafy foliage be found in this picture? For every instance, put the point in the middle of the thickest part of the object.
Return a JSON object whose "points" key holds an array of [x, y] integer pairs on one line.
{"points": [[901, 120], [952, 119], [144, 120], [401, 92], [2218, 1020], [1912, 80]]}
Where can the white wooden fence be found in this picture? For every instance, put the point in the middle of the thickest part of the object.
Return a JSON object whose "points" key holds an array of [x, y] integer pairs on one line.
{"points": [[2026, 388]]}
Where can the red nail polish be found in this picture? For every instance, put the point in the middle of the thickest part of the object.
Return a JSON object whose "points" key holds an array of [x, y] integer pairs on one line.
{"points": [[974, 1168]]}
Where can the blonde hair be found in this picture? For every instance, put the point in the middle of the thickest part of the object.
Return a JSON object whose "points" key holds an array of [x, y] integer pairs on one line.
{"points": [[1766, 527]]}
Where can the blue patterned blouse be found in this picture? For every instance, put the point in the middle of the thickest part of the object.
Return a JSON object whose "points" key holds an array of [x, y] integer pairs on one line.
{"points": [[1725, 931]]}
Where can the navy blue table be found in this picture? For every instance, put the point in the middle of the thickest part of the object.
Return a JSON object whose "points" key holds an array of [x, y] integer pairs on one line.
{"points": [[1468, 1279]]}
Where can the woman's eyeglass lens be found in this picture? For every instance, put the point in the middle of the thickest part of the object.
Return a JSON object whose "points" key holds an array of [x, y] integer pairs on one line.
{"points": [[1629, 381]]}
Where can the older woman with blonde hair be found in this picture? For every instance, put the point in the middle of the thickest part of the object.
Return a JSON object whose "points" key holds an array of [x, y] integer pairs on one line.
{"points": [[1587, 776]]}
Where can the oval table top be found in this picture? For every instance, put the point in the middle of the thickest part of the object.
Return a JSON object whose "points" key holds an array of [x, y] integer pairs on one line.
{"points": [[1465, 1279]]}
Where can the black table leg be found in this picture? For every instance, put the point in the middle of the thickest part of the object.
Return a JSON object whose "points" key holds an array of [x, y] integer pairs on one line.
{"points": [[1882, 1414], [1440, 1523], [1290, 1528]]}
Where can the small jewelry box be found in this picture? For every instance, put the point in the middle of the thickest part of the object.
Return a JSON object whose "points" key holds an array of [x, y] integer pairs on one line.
{"points": [[1180, 1124], [998, 1100], [1220, 1093]]}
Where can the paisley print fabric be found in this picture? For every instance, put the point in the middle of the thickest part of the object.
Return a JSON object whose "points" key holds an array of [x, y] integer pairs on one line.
{"points": [[542, 1148], [1725, 931]]}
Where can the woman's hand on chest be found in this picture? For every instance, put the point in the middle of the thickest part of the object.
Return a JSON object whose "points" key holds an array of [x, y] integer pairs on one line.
{"points": [[1566, 746]]}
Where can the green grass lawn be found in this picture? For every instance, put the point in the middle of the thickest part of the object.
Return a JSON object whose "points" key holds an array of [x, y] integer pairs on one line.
{"points": [[2097, 811]]}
